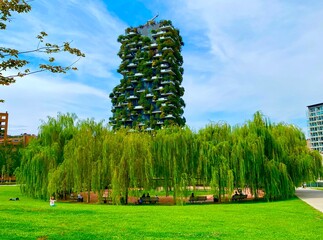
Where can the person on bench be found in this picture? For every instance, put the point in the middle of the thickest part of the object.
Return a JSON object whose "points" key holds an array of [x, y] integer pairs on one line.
{"points": [[79, 198]]}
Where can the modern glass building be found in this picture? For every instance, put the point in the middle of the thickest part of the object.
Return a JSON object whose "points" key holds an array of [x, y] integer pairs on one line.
{"points": [[315, 125], [149, 95]]}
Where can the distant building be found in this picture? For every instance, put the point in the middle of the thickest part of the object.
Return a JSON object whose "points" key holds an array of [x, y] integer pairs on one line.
{"points": [[315, 125], [22, 139], [3, 126], [149, 95]]}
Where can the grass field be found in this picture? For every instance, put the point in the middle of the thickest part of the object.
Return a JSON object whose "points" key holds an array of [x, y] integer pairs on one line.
{"points": [[35, 219], [318, 188]]}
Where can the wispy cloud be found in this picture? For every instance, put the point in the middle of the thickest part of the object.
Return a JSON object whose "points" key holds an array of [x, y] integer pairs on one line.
{"points": [[92, 29], [245, 56], [34, 98], [239, 57]]}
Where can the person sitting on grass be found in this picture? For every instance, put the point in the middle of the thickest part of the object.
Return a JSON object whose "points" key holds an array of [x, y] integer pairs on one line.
{"points": [[52, 201]]}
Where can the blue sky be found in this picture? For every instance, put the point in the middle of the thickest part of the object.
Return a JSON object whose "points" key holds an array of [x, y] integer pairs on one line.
{"points": [[239, 57]]}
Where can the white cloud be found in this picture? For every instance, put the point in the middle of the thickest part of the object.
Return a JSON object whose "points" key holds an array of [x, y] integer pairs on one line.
{"points": [[239, 57], [255, 55], [35, 97], [92, 29]]}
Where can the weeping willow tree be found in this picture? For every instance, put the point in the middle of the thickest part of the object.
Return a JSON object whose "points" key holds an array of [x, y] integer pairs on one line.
{"points": [[9, 160], [83, 156], [174, 155], [302, 163], [87, 156], [214, 158], [44, 154], [134, 168]]}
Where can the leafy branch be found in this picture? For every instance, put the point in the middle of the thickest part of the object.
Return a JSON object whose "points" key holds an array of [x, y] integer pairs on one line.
{"points": [[12, 59]]}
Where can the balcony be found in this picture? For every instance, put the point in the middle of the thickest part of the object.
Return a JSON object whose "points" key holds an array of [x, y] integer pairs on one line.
{"points": [[156, 111], [167, 71], [149, 95], [161, 99], [167, 82], [167, 94], [153, 45], [164, 65], [166, 27], [159, 88], [131, 33], [160, 122], [158, 55], [169, 116], [155, 77], [132, 65], [166, 38], [138, 74], [131, 44], [138, 107], [167, 48], [132, 97], [159, 33]]}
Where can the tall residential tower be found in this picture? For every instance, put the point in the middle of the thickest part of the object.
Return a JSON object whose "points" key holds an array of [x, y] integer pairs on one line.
{"points": [[149, 95], [315, 125]]}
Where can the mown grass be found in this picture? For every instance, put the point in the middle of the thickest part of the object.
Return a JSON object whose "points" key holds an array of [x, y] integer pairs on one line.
{"points": [[35, 219], [318, 188]]}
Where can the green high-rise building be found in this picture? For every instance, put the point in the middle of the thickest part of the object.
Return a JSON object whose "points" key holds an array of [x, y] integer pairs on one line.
{"points": [[149, 95]]}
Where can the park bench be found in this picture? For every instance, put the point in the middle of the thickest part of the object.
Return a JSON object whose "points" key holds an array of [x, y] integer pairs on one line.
{"points": [[107, 200], [238, 197], [148, 200], [197, 199], [74, 197]]}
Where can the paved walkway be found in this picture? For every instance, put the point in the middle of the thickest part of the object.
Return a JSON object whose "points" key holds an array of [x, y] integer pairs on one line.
{"points": [[311, 197]]}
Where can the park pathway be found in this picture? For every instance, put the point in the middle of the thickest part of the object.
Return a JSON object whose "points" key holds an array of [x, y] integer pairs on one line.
{"points": [[311, 196]]}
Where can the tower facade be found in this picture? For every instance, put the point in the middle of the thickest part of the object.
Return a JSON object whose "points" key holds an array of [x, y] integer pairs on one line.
{"points": [[149, 94], [3, 126], [315, 125]]}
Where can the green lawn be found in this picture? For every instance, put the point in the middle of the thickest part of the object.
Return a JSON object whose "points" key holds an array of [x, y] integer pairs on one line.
{"points": [[35, 219], [318, 188]]}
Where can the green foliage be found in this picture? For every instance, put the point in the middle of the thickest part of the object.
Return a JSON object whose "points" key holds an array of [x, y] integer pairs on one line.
{"points": [[86, 156], [44, 155], [9, 159], [146, 62]]}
